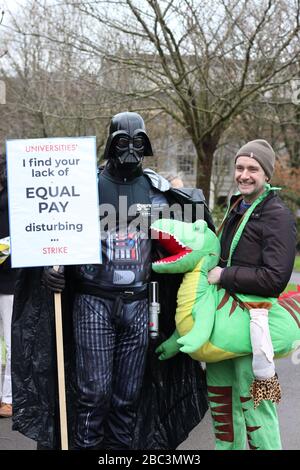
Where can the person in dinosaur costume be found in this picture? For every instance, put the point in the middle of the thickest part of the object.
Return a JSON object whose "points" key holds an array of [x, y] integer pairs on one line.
{"points": [[211, 324], [257, 224]]}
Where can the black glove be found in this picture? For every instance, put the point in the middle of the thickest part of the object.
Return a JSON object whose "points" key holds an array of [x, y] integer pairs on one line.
{"points": [[54, 280]]}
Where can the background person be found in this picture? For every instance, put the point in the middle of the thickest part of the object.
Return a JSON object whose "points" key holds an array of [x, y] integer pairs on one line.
{"points": [[7, 282], [175, 180]]}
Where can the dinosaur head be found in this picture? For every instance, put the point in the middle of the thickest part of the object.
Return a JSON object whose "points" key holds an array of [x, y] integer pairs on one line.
{"points": [[187, 243]]}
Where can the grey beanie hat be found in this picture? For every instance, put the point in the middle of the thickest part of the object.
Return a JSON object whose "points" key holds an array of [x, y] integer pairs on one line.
{"points": [[262, 152]]}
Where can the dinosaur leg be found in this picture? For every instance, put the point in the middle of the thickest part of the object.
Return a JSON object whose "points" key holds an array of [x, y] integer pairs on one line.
{"points": [[261, 422], [266, 385], [225, 405], [263, 353]]}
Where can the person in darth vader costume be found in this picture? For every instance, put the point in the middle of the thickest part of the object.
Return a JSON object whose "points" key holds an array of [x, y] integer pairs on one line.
{"points": [[119, 396]]}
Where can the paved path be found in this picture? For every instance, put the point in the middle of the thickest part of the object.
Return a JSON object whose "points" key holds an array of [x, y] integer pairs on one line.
{"points": [[288, 411], [295, 278], [202, 437]]}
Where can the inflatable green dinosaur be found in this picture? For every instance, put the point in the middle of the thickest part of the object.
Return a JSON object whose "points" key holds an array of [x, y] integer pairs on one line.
{"points": [[211, 324]]}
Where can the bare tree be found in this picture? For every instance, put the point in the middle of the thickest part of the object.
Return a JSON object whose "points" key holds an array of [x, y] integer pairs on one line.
{"points": [[201, 62], [2, 52], [52, 89]]}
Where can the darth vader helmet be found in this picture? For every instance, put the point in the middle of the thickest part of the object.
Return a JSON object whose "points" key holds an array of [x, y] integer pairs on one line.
{"points": [[127, 143]]}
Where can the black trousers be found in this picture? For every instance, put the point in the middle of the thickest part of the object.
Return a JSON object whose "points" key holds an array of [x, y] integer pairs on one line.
{"points": [[111, 345]]}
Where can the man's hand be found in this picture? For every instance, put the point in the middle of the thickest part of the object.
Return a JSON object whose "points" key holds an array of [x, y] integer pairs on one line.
{"points": [[54, 280], [214, 275]]}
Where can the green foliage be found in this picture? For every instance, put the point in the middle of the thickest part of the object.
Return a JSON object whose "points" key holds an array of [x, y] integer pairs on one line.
{"points": [[217, 214], [298, 235], [297, 264], [292, 200], [2, 352], [290, 287]]}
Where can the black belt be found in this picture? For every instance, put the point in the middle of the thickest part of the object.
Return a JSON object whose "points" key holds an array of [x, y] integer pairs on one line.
{"points": [[126, 295], [119, 297]]}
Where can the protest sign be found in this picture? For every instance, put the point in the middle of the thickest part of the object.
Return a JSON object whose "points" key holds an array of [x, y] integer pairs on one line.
{"points": [[53, 201]]}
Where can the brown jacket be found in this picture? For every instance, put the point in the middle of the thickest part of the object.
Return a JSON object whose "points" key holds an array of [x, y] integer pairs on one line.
{"points": [[263, 260]]}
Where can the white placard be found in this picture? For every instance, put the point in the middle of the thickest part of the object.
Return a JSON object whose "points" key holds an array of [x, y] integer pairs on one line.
{"points": [[53, 201]]}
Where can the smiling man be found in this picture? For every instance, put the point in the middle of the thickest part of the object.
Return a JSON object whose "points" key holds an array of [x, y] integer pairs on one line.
{"points": [[258, 239], [254, 166], [259, 258], [250, 178]]}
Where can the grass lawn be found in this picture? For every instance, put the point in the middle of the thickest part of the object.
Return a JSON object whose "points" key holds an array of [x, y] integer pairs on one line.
{"points": [[297, 263], [290, 286], [2, 352]]}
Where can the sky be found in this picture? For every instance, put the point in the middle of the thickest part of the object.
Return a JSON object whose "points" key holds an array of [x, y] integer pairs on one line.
{"points": [[12, 5]]}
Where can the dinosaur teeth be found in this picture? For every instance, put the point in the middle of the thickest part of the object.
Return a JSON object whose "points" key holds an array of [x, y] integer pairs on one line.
{"points": [[171, 236], [163, 261], [179, 242]]}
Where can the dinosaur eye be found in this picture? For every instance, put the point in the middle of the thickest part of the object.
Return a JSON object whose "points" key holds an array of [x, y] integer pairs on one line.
{"points": [[200, 225]]}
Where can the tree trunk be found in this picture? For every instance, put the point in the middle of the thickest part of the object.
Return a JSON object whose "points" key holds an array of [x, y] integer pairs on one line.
{"points": [[205, 154]]}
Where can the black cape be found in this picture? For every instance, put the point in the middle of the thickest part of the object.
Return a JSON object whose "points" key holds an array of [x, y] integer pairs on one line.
{"points": [[173, 398]]}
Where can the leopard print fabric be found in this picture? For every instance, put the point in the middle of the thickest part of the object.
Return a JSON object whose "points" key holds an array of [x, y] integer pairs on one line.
{"points": [[267, 389]]}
